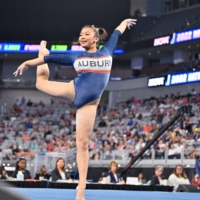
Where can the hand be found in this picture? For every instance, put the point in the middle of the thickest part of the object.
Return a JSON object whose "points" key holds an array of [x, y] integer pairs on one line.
{"points": [[43, 50], [130, 22], [20, 69]]}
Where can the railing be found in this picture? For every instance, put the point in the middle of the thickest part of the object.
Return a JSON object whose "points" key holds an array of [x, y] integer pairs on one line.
{"points": [[49, 160], [122, 157]]}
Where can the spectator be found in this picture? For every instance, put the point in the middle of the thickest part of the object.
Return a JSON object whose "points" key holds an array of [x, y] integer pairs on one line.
{"points": [[160, 150], [16, 150], [157, 178], [112, 173], [29, 103], [196, 180], [25, 137], [107, 152], [130, 122], [23, 101], [21, 166], [42, 174], [141, 178], [102, 123], [140, 145], [172, 152], [8, 153], [41, 151], [59, 172], [34, 145], [29, 154], [178, 177], [4, 137]]}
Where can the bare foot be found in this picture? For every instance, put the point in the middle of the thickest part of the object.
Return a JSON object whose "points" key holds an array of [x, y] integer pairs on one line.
{"points": [[80, 193], [43, 50]]}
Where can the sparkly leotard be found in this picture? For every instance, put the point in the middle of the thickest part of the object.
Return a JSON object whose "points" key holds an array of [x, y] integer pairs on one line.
{"points": [[93, 70]]}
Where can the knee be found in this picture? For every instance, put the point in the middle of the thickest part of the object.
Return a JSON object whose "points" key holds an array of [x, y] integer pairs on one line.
{"points": [[82, 144]]}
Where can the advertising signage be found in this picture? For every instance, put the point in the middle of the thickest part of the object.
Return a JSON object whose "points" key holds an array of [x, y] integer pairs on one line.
{"points": [[174, 79], [54, 48], [161, 41], [185, 36], [178, 37]]}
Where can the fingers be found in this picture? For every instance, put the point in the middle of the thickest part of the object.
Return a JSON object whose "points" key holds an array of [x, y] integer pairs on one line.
{"points": [[132, 20], [130, 24], [16, 73]]}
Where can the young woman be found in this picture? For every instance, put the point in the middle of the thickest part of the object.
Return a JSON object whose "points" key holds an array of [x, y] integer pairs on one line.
{"points": [[21, 166], [178, 177], [59, 172], [93, 67], [42, 173]]}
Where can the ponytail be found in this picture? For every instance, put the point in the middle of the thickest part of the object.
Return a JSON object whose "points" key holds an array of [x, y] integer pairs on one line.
{"points": [[102, 34]]}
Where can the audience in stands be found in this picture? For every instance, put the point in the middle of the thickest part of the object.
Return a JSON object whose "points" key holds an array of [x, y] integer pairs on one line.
{"points": [[21, 166], [178, 177], [157, 178], [112, 173], [59, 172], [196, 180], [126, 127], [42, 174]]}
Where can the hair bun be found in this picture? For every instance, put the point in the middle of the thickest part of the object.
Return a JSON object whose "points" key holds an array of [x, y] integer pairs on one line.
{"points": [[101, 31]]}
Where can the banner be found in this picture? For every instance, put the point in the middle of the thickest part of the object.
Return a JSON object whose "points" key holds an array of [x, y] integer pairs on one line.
{"points": [[197, 167]]}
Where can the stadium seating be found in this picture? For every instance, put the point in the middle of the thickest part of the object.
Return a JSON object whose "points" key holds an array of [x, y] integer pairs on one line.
{"points": [[152, 27]]}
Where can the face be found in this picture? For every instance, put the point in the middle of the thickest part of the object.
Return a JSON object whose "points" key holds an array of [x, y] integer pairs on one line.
{"points": [[44, 169], [113, 167], [60, 164], [140, 176], [159, 172], [179, 170], [87, 38], [22, 164]]}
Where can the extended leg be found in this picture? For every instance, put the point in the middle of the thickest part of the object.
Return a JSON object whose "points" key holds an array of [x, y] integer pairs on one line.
{"points": [[64, 91]]}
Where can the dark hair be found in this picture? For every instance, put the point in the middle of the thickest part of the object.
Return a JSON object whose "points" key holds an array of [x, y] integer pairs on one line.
{"points": [[41, 172], [101, 33], [58, 161], [20, 159]]}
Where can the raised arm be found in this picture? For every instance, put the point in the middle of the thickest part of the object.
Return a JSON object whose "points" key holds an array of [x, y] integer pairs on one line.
{"points": [[34, 62], [110, 46], [44, 57], [127, 23], [29, 63]]}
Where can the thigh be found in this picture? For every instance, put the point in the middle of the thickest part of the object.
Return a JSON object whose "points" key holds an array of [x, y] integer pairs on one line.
{"points": [[85, 118], [63, 91]]}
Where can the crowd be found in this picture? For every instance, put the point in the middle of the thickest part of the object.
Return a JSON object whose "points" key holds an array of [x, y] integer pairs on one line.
{"points": [[30, 128]]}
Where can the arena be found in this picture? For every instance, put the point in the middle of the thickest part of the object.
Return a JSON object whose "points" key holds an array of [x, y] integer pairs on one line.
{"points": [[100, 100]]}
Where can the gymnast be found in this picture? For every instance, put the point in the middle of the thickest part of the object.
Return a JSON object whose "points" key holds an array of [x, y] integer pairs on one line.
{"points": [[93, 70]]}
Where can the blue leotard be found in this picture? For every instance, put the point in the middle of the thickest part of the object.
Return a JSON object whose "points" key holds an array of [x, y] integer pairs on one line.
{"points": [[93, 70]]}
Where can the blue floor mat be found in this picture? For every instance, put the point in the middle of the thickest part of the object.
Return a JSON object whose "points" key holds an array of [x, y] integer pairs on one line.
{"points": [[65, 194]]}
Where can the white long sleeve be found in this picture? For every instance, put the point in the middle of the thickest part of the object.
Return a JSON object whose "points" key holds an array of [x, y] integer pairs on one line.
{"points": [[176, 181]]}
